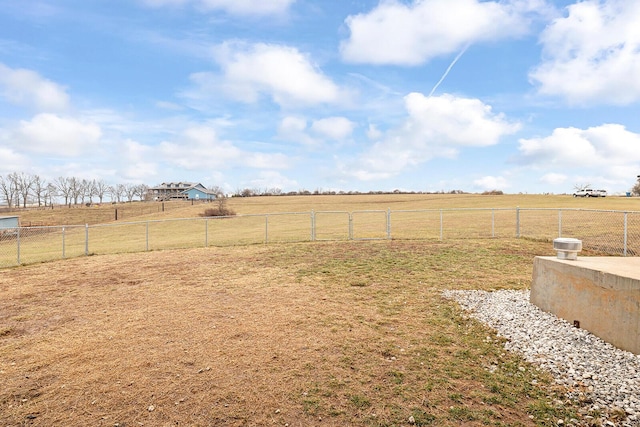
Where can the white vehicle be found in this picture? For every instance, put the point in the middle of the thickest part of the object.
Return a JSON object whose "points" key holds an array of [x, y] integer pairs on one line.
{"points": [[585, 192], [602, 193]]}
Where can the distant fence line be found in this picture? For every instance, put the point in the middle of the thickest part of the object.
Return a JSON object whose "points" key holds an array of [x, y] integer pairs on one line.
{"points": [[115, 211], [609, 232]]}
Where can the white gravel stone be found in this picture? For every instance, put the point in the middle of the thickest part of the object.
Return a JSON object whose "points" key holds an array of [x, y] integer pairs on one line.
{"points": [[596, 373]]}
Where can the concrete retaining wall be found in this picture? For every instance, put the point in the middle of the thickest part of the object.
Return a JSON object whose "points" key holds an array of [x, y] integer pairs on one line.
{"points": [[601, 294]]}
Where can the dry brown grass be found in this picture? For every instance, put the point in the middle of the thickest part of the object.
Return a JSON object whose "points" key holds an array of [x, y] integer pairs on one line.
{"points": [[329, 334], [413, 216], [274, 204], [98, 213]]}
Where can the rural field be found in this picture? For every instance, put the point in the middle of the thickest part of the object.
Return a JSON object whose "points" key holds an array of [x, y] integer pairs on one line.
{"points": [[296, 334], [277, 204]]}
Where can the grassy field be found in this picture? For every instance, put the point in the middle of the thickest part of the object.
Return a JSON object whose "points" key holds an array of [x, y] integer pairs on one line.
{"points": [[297, 334], [349, 203], [156, 226], [331, 334]]}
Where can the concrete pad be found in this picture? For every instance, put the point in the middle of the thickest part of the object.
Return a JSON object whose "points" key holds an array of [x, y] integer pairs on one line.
{"points": [[601, 294]]}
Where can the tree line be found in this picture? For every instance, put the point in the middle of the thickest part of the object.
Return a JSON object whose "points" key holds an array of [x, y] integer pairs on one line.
{"points": [[23, 189], [19, 189]]}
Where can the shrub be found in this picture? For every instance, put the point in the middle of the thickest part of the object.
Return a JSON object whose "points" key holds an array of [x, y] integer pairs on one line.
{"points": [[493, 193], [218, 212], [220, 209]]}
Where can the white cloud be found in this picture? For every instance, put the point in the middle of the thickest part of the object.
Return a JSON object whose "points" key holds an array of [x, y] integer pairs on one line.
{"points": [[435, 127], [200, 148], [272, 179], [259, 160], [294, 128], [138, 161], [605, 146], [373, 132], [59, 136], [166, 105], [609, 150], [297, 129], [411, 34], [11, 161], [593, 54], [28, 88], [337, 128], [281, 73], [565, 146], [456, 121], [491, 183], [553, 178], [236, 7], [292, 125]]}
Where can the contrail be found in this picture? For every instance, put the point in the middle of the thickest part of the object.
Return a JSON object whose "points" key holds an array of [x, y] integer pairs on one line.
{"points": [[444, 76]]}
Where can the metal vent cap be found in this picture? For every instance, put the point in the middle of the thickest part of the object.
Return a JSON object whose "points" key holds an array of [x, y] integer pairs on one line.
{"points": [[567, 247]]}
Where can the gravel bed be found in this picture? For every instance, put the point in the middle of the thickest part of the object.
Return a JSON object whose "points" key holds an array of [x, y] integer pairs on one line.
{"points": [[603, 380]]}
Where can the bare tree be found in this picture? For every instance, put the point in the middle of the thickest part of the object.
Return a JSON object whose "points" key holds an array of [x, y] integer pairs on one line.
{"points": [[50, 192], [130, 190], [88, 190], [141, 191], [76, 189], [25, 184], [39, 190], [120, 192], [216, 189], [116, 192], [635, 190], [8, 189], [83, 190], [101, 188], [111, 191], [63, 184], [579, 187]]}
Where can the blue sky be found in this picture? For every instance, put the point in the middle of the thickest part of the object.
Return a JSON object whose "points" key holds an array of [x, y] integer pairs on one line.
{"points": [[532, 96]]}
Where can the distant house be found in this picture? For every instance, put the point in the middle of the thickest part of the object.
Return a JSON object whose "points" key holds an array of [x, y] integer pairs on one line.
{"points": [[181, 191]]}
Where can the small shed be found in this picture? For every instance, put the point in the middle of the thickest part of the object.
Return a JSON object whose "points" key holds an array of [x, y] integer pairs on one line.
{"points": [[9, 222]]}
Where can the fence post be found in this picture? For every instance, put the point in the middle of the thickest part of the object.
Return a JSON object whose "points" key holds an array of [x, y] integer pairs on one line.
{"points": [[388, 223], [350, 226], [313, 225], [517, 222], [441, 226], [146, 237], [18, 245], [86, 239], [625, 234], [63, 246], [493, 222], [559, 222]]}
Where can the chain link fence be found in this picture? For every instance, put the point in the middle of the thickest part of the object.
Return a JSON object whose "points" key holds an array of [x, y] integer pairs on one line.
{"points": [[609, 232]]}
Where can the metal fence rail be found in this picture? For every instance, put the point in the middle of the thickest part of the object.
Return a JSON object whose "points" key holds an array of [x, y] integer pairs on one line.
{"points": [[610, 232]]}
